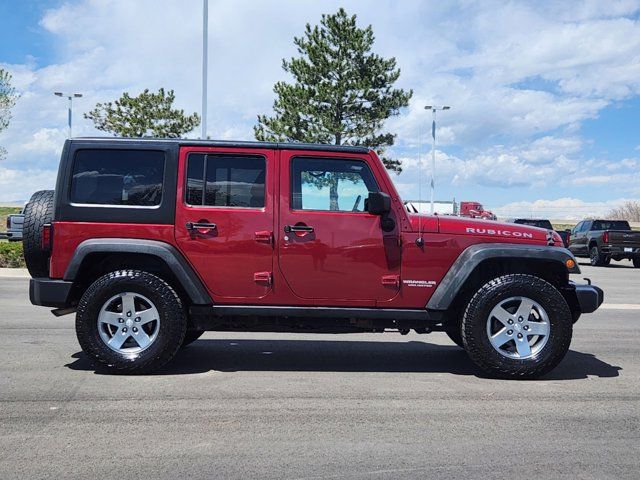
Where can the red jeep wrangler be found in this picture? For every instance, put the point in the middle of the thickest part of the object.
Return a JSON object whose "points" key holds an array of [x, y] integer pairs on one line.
{"points": [[152, 242]]}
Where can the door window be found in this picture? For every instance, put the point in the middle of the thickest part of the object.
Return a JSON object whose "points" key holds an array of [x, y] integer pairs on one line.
{"points": [[331, 184], [226, 180]]}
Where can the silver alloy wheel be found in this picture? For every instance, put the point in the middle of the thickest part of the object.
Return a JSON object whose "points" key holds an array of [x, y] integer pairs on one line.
{"points": [[518, 327], [128, 323]]}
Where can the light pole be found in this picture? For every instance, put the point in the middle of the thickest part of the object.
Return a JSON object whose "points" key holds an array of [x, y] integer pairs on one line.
{"points": [[205, 59], [434, 109], [70, 96]]}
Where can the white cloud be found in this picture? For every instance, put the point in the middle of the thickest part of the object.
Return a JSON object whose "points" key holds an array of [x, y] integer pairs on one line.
{"points": [[572, 209], [521, 78]]}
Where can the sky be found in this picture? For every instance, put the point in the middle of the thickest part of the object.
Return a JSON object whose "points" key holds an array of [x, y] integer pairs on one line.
{"points": [[544, 96]]}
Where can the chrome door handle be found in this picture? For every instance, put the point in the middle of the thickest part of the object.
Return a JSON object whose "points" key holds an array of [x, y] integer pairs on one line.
{"points": [[297, 228]]}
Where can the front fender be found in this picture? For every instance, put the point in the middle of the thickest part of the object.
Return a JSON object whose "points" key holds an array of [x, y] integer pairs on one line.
{"points": [[470, 258]]}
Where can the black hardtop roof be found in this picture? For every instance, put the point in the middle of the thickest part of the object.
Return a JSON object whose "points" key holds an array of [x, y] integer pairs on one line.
{"points": [[148, 141]]}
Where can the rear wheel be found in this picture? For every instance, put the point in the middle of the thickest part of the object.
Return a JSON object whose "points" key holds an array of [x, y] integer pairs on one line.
{"points": [[517, 326], [130, 321], [38, 212], [597, 258]]}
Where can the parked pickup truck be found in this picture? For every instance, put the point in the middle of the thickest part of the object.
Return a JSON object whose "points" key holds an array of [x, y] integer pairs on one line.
{"points": [[603, 240], [14, 227], [152, 242], [542, 223]]}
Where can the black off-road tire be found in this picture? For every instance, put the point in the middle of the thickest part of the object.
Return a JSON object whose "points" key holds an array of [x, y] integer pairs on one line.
{"points": [[597, 259], [474, 327], [636, 262], [37, 213], [191, 336], [172, 330]]}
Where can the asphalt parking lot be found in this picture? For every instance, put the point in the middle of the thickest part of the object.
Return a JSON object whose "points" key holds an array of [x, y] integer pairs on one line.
{"points": [[320, 406]]}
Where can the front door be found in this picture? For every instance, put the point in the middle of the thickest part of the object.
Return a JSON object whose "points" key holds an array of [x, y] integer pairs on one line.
{"points": [[225, 217], [330, 248]]}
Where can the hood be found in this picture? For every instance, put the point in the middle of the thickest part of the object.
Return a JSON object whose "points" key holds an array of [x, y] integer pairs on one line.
{"points": [[486, 229]]}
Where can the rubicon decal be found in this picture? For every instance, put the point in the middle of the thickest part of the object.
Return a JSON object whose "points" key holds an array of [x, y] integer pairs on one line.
{"points": [[504, 233], [419, 283]]}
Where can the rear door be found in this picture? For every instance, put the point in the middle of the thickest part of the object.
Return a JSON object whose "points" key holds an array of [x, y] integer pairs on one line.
{"points": [[330, 248], [224, 219]]}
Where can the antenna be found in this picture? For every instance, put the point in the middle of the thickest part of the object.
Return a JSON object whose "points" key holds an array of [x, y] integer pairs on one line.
{"points": [[420, 240]]}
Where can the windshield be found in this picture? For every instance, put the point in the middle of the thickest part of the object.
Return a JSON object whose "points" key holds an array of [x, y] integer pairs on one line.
{"points": [[610, 225]]}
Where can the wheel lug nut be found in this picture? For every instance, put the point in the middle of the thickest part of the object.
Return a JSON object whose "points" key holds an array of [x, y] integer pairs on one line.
{"points": [[526, 327], [128, 314], [137, 319], [134, 329], [520, 319], [121, 320], [510, 332], [510, 322], [519, 335], [124, 330]]}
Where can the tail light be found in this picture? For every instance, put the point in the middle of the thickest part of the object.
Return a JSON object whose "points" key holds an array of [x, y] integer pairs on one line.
{"points": [[605, 237], [47, 237]]}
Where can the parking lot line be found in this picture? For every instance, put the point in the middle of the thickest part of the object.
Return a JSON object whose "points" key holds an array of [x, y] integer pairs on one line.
{"points": [[620, 306]]}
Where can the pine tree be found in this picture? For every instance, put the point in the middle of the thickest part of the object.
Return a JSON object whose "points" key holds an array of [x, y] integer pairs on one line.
{"points": [[148, 114], [342, 92]]}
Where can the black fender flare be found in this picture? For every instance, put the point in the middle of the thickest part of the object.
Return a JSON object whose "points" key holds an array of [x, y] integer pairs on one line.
{"points": [[474, 255], [187, 277]]}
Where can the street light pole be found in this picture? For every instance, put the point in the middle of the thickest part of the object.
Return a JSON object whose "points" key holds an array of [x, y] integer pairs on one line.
{"points": [[205, 59], [433, 109], [70, 96]]}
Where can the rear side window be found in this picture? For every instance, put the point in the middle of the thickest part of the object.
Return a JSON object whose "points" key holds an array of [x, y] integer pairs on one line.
{"points": [[118, 177], [226, 180]]}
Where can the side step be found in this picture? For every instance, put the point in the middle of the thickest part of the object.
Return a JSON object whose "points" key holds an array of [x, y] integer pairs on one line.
{"points": [[310, 312]]}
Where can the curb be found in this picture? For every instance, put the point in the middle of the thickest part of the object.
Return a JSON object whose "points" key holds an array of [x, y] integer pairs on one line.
{"points": [[14, 273]]}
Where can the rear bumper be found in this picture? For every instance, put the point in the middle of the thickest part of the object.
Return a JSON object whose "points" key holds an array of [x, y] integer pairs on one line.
{"points": [[589, 297], [631, 251], [49, 292]]}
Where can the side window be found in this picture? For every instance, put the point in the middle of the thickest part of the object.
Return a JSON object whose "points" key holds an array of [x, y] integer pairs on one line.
{"points": [[330, 184], [117, 177], [577, 228], [226, 180], [586, 226]]}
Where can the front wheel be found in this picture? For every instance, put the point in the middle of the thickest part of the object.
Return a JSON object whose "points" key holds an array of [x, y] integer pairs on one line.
{"points": [[130, 321], [517, 327]]}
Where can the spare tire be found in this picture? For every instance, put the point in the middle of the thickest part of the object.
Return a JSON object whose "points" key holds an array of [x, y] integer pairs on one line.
{"points": [[38, 212]]}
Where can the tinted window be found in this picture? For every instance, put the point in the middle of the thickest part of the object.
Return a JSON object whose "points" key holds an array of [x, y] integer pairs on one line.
{"points": [[226, 180], [331, 184], [610, 225], [535, 223], [117, 177]]}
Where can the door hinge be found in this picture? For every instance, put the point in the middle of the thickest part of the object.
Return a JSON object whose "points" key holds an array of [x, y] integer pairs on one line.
{"points": [[391, 281], [262, 277]]}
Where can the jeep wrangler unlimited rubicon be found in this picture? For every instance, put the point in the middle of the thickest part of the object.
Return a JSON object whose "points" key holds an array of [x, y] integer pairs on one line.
{"points": [[153, 242]]}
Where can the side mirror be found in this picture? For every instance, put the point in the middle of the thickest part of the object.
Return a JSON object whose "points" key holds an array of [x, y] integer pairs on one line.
{"points": [[378, 203]]}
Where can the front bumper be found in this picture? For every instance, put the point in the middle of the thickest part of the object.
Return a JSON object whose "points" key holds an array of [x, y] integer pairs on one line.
{"points": [[49, 292], [589, 297]]}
